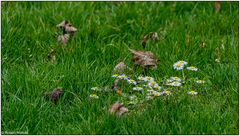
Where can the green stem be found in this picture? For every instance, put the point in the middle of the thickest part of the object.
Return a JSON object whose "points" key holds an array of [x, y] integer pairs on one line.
{"points": [[183, 76]]}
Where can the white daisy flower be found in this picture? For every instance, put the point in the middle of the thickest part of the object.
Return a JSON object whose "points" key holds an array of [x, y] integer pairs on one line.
{"points": [[131, 81], [141, 78], [122, 76], [192, 68], [200, 81], [167, 92], [94, 88], [183, 62], [94, 96], [152, 84], [175, 83], [150, 92], [157, 93], [148, 79], [115, 75], [178, 66], [157, 87], [175, 79], [192, 93], [137, 88]]}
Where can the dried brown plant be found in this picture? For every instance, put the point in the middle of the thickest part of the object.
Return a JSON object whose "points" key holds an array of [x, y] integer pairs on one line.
{"points": [[54, 95], [118, 108], [144, 59]]}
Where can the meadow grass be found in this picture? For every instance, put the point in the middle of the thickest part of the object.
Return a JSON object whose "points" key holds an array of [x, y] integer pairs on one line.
{"points": [[105, 31]]}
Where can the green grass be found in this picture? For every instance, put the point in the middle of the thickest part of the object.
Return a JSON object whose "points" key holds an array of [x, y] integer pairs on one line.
{"points": [[105, 30]]}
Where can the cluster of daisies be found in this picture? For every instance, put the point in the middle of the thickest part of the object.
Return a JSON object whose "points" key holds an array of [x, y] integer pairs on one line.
{"points": [[181, 64], [147, 87]]}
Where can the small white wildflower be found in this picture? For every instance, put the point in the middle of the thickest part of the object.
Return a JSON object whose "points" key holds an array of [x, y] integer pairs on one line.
{"points": [[94, 96], [94, 88], [137, 88], [157, 87], [131, 81], [183, 62], [174, 79], [122, 76], [167, 92], [175, 83], [152, 84], [115, 75], [157, 93], [192, 68], [141, 78], [148, 79], [178, 66], [200, 81], [192, 93]]}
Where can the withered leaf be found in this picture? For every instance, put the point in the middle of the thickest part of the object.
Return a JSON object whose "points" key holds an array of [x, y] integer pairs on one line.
{"points": [[144, 58], [63, 24], [118, 108], [70, 29], [67, 27], [54, 95], [63, 38]]}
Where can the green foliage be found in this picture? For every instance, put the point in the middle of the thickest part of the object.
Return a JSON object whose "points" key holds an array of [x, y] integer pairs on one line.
{"points": [[105, 30]]}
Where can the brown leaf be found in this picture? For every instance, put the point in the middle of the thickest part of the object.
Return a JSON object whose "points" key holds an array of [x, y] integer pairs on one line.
{"points": [[63, 24], [54, 95], [70, 29], [63, 38], [67, 27], [118, 108], [144, 58]]}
